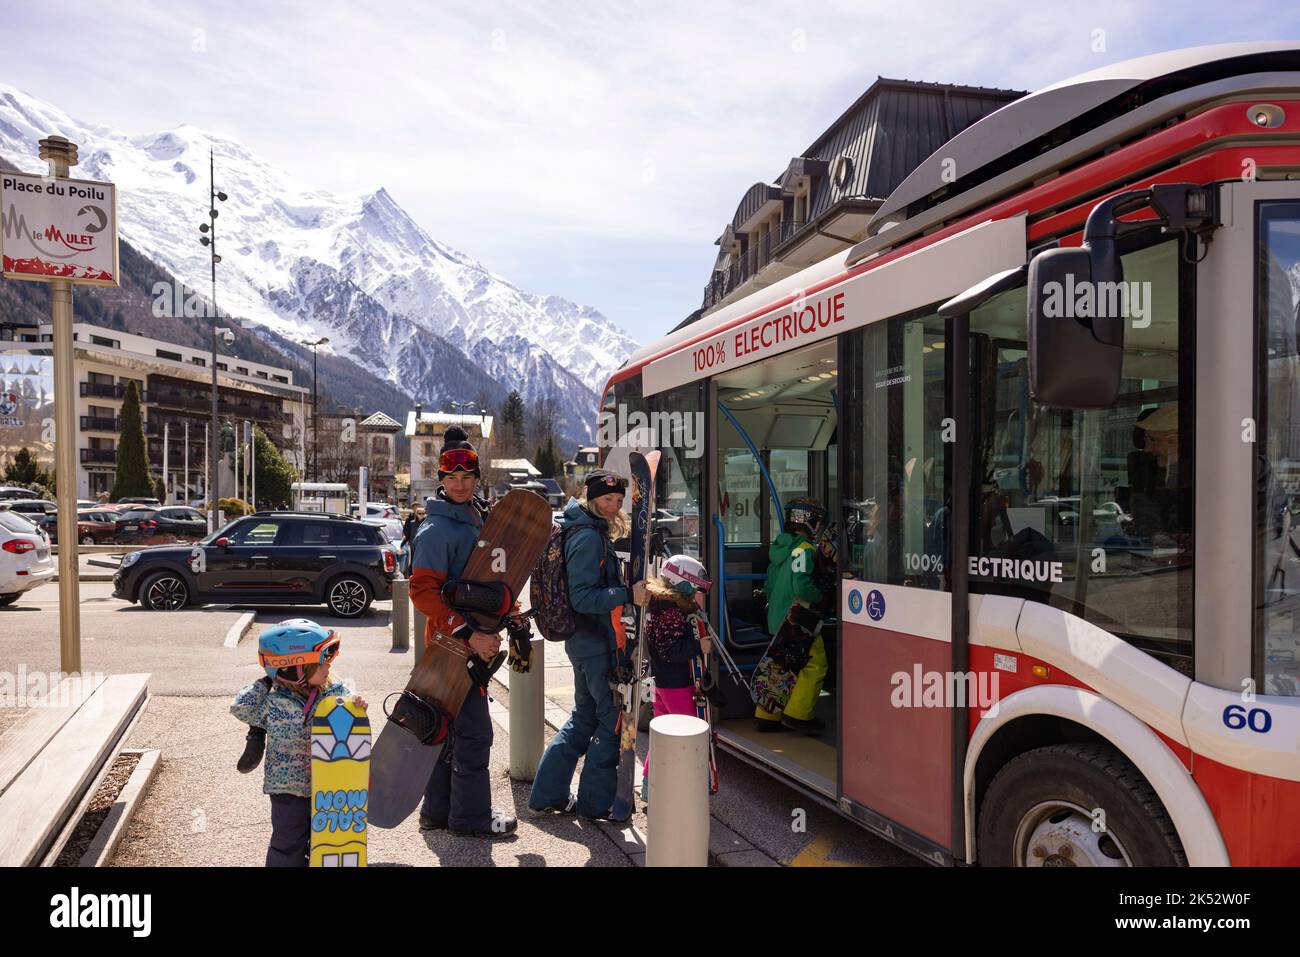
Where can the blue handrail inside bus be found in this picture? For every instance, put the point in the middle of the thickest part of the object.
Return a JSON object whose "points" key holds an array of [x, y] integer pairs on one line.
{"points": [[771, 486], [722, 592]]}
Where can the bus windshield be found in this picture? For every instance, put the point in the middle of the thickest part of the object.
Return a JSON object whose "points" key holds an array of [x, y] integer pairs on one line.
{"points": [[1277, 565]]}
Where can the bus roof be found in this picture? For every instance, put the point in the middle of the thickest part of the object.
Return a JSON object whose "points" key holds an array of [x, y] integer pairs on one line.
{"points": [[1021, 122], [1011, 139]]}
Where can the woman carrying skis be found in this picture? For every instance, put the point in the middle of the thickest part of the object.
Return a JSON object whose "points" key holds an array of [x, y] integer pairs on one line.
{"points": [[597, 595]]}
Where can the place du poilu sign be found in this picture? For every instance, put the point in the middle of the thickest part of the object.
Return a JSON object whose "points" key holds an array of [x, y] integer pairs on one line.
{"points": [[58, 229]]}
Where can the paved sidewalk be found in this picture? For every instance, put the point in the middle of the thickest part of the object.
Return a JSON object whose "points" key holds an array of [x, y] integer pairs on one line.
{"points": [[200, 812], [726, 847]]}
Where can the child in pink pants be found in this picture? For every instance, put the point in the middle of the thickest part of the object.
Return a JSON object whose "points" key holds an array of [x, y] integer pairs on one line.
{"points": [[672, 640]]}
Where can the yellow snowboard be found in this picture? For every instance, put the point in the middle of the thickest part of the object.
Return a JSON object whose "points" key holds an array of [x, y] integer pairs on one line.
{"points": [[340, 783]]}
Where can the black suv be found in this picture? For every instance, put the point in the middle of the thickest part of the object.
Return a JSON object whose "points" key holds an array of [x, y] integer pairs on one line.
{"points": [[290, 558]]}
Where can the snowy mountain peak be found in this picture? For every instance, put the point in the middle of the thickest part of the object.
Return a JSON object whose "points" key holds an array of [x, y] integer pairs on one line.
{"points": [[304, 261]]}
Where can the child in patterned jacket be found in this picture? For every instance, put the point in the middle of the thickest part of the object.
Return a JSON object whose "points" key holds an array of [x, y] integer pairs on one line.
{"points": [[296, 655], [676, 598]]}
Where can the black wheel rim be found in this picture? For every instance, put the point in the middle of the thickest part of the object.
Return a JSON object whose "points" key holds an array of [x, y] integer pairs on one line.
{"points": [[166, 594], [347, 598]]}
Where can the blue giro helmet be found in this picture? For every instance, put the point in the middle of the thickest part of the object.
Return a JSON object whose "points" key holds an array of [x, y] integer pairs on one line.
{"points": [[290, 645]]}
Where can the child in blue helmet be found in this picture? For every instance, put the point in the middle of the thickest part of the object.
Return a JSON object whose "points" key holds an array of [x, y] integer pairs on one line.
{"points": [[296, 655]]}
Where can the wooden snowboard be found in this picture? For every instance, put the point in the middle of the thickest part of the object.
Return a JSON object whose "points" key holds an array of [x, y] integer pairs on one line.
{"points": [[509, 547], [340, 782]]}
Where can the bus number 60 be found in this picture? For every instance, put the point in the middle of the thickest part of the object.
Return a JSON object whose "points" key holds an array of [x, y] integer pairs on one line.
{"points": [[1257, 719]]}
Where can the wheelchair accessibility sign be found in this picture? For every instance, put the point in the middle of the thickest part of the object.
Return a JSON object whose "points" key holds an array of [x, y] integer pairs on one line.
{"points": [[875, 605]]}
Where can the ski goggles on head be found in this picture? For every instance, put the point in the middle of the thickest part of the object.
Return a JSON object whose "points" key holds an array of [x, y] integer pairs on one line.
{"points": [[458, 460], [324, 651]]}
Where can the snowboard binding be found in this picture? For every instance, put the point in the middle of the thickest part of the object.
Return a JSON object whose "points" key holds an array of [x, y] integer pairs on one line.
{"points": [[422, 717]]}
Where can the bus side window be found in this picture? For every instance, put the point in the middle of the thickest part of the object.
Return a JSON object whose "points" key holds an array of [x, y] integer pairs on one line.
{"points": [[1089, 511]]}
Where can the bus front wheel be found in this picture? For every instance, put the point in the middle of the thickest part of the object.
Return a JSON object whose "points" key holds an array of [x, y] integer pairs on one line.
{"points": [[1075, 805]]}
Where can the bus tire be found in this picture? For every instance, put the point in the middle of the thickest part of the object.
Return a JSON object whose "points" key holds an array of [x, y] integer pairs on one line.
{"points": [[1075, 805]]}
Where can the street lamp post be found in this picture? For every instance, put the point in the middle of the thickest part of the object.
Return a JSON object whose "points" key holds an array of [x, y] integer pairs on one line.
{"points": [[318, 342], [209, 239]]}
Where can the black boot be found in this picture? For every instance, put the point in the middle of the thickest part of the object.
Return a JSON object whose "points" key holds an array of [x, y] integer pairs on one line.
{"points": [[502, 825], [254, 746], [808, 726]]}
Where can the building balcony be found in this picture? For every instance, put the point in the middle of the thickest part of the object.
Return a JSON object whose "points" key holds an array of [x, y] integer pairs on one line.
{"points": [[95, 423], [98, 456], [97, 390], [189, 401], [748, 264], [155, 429]]}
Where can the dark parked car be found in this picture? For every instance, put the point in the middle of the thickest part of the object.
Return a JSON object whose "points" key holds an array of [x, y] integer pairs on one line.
{"points": [[287, 558], [155, 526], [96, 526]]}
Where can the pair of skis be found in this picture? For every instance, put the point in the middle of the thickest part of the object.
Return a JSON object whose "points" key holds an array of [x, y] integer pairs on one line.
{"points": [[702, 679], [631, 663]]}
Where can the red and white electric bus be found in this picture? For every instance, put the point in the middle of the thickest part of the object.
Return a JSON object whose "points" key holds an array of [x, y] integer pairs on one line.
{"points": [[1064, 472]]}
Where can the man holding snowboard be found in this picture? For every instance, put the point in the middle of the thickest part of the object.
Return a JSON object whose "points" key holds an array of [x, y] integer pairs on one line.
{"points": [[459, 795]]}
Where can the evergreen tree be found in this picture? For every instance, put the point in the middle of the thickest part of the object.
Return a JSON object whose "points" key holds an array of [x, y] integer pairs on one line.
{"points": [[274, 474], [132, 479], [24, 469], [546, 460], [512, 427]]}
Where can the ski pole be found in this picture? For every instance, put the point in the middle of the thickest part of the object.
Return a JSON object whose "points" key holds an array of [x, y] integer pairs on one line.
{"points": [[728, 660]]}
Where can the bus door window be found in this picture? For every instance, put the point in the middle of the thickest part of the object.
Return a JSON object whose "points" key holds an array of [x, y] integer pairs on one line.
{"points": [[1090, 511], [677, 416], [776, 424], [1277, 567], [897, 508]]}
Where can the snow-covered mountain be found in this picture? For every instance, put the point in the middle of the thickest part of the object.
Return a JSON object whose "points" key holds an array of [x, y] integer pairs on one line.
{"points": [[355, 267]]}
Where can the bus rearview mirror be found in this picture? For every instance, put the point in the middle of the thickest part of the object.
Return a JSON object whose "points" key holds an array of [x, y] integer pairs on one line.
{"points": [[1076, 338]]}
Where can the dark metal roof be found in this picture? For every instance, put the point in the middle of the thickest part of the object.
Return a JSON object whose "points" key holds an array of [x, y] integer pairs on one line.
{"points": [[893, 127], [867, 152], [887, 131], [754, 199]]}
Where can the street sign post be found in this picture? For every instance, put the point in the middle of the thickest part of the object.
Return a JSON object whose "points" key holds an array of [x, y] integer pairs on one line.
{"points": [[61, 231]]}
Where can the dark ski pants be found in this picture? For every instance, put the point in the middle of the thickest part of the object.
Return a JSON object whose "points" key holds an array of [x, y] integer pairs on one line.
{"points": [[459, 790], [290, 831], [589, 731]]}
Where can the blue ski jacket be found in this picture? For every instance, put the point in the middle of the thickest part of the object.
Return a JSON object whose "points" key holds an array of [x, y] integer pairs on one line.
{"points": [[595, 583], [442, 545]]}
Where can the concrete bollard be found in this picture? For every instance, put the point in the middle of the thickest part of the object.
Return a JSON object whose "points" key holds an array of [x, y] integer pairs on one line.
{"points": [[417, 628], [679, 792], [527, 704], [401, 618]]}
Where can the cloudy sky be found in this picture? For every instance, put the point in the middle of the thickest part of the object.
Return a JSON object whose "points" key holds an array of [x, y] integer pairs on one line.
{"points": [[591, 150]]}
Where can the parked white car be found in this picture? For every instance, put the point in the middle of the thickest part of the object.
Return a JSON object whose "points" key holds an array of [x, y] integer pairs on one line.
{"points": [[25, 560], [377, 510]]}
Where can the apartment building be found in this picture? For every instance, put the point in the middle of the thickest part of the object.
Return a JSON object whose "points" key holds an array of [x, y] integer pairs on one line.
{"points": [[175, 385], [425, 430]]}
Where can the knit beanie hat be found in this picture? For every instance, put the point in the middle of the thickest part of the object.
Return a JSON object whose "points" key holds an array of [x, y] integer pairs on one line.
{"points": [[454, 440], [603, 482]]}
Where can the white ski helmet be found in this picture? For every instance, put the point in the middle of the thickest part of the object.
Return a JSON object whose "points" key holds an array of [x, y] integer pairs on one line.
{"points": [[685, 574]]}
